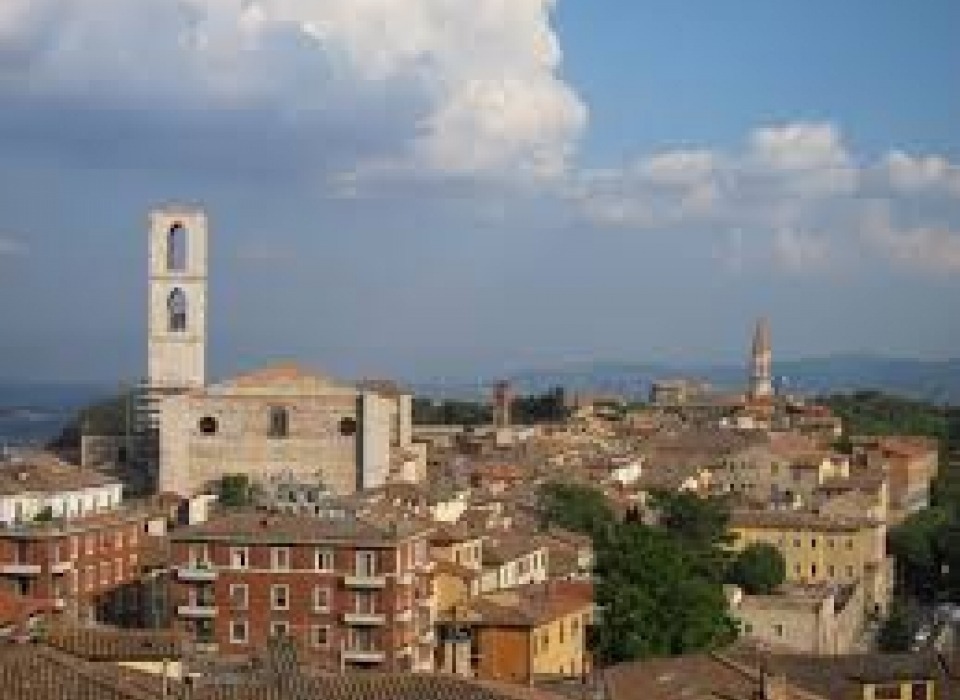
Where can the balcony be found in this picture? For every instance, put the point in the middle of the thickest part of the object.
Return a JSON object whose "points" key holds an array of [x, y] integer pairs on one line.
{"points": [[197, 610], [20, 569], [360, 618], [197, 572], [364, 581], [364, 656], [61, 567]]}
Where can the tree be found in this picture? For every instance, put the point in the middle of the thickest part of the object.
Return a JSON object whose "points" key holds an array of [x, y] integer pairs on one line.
{"points": [[235, 490], [654, 599], [895, 634], [759, 568], [578, 508]]}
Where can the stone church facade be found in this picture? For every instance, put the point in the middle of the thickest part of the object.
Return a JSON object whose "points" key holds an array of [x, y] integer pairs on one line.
{"points": [[282, 419]]}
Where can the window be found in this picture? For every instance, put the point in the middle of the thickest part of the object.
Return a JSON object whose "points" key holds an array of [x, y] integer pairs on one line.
{"points": [[177, 248], [778, 630], [90, 541], [279, 422], [238, 557], [365, 602], [280, 558], [796, 542], [207, 425], [238, 631], [850, 571], [849, 544], [813, 543], [118, 570], [319, 635], [279, 628], [177, 311], [887, 691], [104, 572], [830, 543], [280, 597], [321, 598], [348, 427], [199, 556], [366, 563], [323, 560], [813, 570], [91, 578], [918, 691], [832, 571], [239, 596], [796, 569]]}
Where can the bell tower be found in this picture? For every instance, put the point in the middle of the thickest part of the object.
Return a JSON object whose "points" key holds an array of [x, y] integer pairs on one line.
{"points": [[761, 358], [177, 321]]}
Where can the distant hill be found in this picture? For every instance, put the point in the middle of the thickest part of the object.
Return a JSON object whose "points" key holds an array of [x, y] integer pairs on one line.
{"points": [[936, 381], [34, 412]]}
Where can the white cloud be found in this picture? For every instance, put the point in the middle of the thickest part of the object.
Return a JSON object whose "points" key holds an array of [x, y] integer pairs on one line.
{"points": [[795, 187], [911, 174], [462, 86], [924, 247], [11, 247], [800, 252]]}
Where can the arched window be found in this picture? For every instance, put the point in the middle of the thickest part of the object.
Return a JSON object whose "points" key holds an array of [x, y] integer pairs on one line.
{"points": [[279, 422], [177, 310], [177, 248]]}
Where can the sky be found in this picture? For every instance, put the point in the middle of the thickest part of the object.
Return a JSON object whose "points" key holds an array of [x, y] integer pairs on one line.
{"points": [[455, 188]]}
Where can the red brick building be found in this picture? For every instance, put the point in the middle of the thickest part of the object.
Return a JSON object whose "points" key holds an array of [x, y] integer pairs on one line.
{"points": [[350, 593], [79, 564]]}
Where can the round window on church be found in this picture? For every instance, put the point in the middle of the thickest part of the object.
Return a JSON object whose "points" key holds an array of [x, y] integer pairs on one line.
{"points": [[348, 426], [207, 425]]}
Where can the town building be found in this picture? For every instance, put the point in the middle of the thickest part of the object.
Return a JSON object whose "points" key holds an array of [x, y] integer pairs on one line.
{"points": [[823, 549], [910, 463], [350, 594], [809, 619], [531, 632]]}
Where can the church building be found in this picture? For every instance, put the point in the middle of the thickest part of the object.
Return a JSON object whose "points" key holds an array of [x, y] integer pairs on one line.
{"points": [[282, 419]]}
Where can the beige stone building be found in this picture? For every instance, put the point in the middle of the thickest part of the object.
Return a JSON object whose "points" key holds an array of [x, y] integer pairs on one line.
{"points": [[281, 420], [807, 619], [823, 549]]}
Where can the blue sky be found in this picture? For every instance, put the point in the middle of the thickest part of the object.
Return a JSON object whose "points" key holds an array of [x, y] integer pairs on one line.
{"points": [[426, 188]]}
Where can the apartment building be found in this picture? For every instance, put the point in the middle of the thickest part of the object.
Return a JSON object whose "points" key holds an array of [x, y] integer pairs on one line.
{"points": [[510, 560], [69, 539], [823, 549], [910, 462], [528, 632], [348, 592]]}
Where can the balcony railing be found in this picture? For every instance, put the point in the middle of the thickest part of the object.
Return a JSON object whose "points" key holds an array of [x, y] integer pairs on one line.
{"points": [[360, 580], [197, 572], [364, 655], [362, 618], [20, 569], [201, 610]]}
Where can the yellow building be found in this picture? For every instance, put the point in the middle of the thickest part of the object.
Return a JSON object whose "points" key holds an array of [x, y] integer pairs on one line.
{"points": [[538, 630], [823, 548]]}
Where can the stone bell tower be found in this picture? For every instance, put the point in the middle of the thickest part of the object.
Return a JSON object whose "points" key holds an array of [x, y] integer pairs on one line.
{"points": [[177, 323], [761, 359]]}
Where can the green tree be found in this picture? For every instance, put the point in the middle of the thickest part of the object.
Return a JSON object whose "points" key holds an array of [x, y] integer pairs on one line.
{"points": [[235, 490], [654, 599], [895, 633], [759, 568], [578, 508]]}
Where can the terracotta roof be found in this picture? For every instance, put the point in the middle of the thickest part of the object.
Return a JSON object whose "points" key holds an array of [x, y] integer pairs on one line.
{"points": [[693, 677], [797, 519], [16, 609], [504, 547], [291, 528], [529, 606], [37, 672], [45, 473], [114, 644], [282, 373]]}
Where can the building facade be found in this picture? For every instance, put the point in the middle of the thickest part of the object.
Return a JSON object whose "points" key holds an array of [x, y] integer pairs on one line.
{"points": [[281, 420], [349, 594]]}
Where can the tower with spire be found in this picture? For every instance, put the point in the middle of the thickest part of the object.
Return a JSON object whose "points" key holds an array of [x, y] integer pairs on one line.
{"points": [[761, 359]]}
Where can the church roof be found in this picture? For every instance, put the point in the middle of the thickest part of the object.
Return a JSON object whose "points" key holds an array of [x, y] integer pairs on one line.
{"points": [[286, 374]]}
